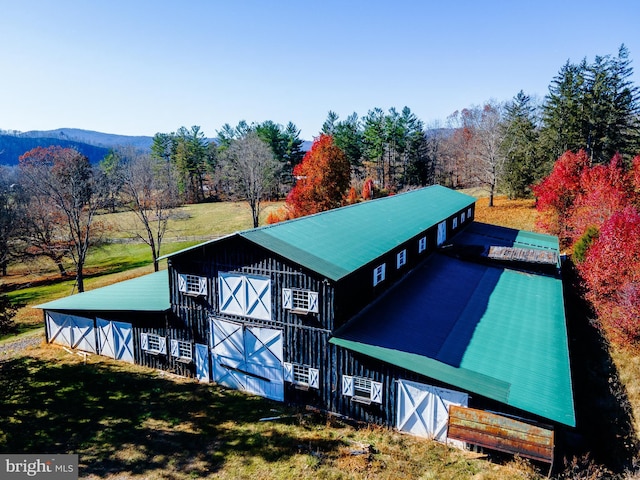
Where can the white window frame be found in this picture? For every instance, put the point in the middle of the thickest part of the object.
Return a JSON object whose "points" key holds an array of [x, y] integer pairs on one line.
{"points": [[154, 344], [299, 300], [361, 389], [182, 350], [301, 375], [422, 244], [401, 258], [192, 284], [379, 274]]}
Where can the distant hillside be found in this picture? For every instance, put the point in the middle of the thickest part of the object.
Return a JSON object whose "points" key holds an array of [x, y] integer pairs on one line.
{"points": [[12, 147], [107, 140], [95, 145]]}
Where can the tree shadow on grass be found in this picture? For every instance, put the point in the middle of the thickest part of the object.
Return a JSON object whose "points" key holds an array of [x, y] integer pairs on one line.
{"points": [[123, 421], [604, 417]]}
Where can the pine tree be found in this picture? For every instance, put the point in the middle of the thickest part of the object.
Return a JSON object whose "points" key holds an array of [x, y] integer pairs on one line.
{"points": [[520, 147]]}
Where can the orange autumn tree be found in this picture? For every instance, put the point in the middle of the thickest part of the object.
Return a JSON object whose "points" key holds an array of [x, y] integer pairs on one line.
{"points": [[323, 179]]}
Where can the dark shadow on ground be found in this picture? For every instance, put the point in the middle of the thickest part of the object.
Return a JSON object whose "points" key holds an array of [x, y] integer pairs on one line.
{"points": [[603, 413], [121, 421]]}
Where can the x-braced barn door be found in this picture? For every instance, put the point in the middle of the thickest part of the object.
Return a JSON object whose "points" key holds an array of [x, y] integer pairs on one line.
{"points": [[202, 363], [247, 358], [71, 331], [115, 340], [423, 410]]}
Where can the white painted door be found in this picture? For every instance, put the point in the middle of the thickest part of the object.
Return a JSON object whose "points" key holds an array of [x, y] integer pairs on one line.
{"points": [[58, 329], [202, 363], [423, 410], [247, 358], [263, 362], [227, 354], [72, 331], [442, 232], [115, 339], [104, 329]]}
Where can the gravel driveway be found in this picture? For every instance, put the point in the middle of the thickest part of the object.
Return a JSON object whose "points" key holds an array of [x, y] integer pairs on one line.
{"points": [[12, 348]]}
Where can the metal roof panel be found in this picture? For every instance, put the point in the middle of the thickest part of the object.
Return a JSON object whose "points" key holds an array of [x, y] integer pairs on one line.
{"points": [[148, 293]]}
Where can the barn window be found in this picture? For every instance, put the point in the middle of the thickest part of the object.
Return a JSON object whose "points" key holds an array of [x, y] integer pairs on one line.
{"points": [[181, 350], [152, 343], [361, 389], [245, 295], [422, 244], [301, 375], [378, 274], [469, 212], [192, 284], [401, 258], [298, 300], [455, 222], [462, 217]]}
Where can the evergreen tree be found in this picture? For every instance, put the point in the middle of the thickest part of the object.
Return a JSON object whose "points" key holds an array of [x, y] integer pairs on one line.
{"points": [[593, 106], [522, 166]]}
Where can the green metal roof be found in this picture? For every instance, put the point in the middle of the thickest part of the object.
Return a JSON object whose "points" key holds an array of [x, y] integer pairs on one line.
{"points": [[338, 242], [486, 329], [148, 293]]}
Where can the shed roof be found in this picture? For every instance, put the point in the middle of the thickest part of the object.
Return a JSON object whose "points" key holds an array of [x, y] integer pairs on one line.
{"points": [[337, 242], [148, 293], [490, 330]]}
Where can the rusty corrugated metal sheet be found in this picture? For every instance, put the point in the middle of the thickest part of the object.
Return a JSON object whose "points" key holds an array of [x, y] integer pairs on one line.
{"points": [[500, 433], [528, 255]]}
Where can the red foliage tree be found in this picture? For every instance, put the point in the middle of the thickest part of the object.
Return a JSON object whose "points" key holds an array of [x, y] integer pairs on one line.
{"points": [[603, 190], [367, 189], [611, 272], [556, 194], [634, 179], [323, 179]]}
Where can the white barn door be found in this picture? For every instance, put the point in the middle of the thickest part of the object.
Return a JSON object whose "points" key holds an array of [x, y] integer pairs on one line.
{"points": [[423, 410], [247, 358], [227, 353], [72, 331], [442, 233], [105, 338], [202, 363], [115, 340], [263, 362]]}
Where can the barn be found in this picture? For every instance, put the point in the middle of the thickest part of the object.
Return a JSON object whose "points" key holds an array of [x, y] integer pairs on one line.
{"points": [[388, 311]]}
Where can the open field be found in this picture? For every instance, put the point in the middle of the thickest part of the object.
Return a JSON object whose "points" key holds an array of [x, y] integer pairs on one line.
{"points": [[125, 418]]}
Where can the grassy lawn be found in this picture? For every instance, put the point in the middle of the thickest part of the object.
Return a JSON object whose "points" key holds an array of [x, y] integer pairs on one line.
{"points": [[129, 422]]}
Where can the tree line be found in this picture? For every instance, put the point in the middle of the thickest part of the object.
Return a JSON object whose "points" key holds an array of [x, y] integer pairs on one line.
{"points": [[49, 205]]}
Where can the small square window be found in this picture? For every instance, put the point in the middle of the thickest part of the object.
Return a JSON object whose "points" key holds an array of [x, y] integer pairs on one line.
{"points": [[153, 343], [361, 389], [378, 274], [301, 375], [182, 350], [401, 258], [298, 300], [422, 244], [192, 284]]}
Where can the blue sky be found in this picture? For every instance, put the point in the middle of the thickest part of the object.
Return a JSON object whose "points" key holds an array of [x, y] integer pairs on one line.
{"points": [[137, 67]]}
